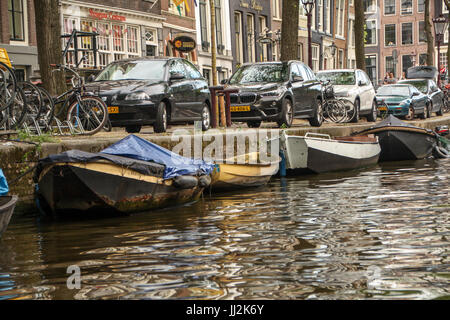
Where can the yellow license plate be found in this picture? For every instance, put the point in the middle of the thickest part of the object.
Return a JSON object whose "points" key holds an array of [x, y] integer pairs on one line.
{"points": [[113, 109], [382, 108], [240, 108]]}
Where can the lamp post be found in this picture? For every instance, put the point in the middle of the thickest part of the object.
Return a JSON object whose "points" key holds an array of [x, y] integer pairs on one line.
{"points": [[309, 6], [440, 25], [333, 49]]}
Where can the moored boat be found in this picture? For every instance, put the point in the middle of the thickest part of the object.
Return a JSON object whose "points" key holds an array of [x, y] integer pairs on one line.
{"points": [[132, 175], [244, 172], [402, 141], [319, 153], [7, 206]]}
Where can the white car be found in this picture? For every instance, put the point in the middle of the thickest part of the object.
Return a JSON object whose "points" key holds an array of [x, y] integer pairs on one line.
{"points": [[355, 86]]}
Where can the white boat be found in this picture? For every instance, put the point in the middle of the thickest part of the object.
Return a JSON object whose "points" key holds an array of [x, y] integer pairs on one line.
{"points": [[319, 153]]}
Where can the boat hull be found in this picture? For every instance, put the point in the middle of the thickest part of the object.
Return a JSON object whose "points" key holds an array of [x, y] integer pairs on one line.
{"points": [[106, 188], [319, 155], [237, 176], [7, 206], [404, 145]]}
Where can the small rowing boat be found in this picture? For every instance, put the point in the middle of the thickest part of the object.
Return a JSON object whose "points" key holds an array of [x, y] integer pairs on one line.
{"points": [[7, 206], [319, 153], [244, 172], [402, 141]]}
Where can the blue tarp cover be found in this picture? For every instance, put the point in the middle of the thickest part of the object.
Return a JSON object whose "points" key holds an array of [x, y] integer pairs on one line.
{"points": [[176, 165], [3, 184]]}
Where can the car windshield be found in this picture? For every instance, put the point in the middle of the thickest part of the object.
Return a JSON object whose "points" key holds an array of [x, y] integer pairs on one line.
{"points": [[260, 73], [133, 70], [422, 86], [338, 78], [400, 91]]}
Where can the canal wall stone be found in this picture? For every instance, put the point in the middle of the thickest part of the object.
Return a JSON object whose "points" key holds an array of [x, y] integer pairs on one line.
{"points": [[18, 158]]}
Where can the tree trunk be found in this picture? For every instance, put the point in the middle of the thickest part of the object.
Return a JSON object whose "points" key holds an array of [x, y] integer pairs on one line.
{"points": [[429, 35], [289, 30], [48, 36], [359, 35]]}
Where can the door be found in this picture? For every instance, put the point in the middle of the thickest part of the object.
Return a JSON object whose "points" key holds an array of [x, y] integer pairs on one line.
{"points": [[364, 87], [200, 87], [301, 101], [436, 95], [180, 92]]}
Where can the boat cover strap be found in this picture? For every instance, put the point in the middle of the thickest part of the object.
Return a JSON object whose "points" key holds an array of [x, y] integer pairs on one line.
{"points": [[77, 156], [4, 189]]}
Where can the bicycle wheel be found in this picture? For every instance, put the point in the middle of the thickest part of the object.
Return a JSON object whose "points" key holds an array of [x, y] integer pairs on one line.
{"points": [[47, 111], [349, 108], [14, 116], [8, 86], [383, 110], [91, 112], [34, 101], [335, 111]]}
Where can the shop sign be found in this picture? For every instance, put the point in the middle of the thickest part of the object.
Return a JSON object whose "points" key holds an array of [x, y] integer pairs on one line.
{"points": [[106, 15], [4, 57], [184, 44], [251, 4]]}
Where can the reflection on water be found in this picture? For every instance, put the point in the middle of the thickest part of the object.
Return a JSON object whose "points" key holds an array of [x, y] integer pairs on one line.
{"points": [[382, 233]]}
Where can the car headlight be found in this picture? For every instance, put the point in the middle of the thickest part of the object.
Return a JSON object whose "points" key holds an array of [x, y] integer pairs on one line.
{"points": [[274, 93], [404, 103], [135, 96]]}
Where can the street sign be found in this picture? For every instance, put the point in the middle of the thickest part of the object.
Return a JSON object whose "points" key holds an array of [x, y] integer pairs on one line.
{"points": [[4, 57]]}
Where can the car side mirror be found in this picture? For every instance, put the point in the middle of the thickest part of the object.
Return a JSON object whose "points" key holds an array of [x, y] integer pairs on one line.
{"points": [[224, 81], [91, 78], [361, 84], [176, 76], [297, 79], [415, 94]]}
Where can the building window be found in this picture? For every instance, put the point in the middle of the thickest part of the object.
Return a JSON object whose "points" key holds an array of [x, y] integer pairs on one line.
{"points": [[371, 32], [104, 46], [390, 35], [444, 7], [442, 60], [389, 7], [315, 58], [390, 66], [351, 32], [407, 33], [251, 37], [238, 37], [423, 59], [422, 34], [370, 6], [371, 67], [276, 8], [320, 13], [407, 62], [132, 39], [300, 52], [219, 41], [407, 7], [421, 5], [341, 59], [340, 17], [150, 43], [16, 21], [204, 26], [264, 47]]}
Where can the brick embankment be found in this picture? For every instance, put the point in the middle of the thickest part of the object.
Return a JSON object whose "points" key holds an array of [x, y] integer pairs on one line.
{"points": [[18, 157]]}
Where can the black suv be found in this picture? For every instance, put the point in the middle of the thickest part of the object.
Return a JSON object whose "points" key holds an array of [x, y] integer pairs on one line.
{"points": [[153, 91], [275, 91]]}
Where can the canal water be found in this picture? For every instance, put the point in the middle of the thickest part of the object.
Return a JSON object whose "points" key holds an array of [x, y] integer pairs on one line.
{"points": [[380, 233]]}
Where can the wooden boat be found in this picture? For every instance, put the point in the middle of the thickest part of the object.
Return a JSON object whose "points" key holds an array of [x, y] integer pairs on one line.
{"points": [[81, 182], [402, 141], [244, 172], [7, 206], [319, 153]]}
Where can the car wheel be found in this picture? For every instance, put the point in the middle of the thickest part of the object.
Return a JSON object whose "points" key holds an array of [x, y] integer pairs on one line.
{"points": [[410, 115], [287, 114], [317, 119], [133, 129], [355, 118], [161, 119], [372, 117], [253, 124], [440, 112], [206, 117]]}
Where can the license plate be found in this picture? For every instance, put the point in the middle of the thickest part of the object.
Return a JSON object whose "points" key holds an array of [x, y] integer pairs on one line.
{"points": [[240, 108], [382, 108], [113, 109]]}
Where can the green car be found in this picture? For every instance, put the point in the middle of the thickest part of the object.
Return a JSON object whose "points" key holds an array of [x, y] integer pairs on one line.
{"points": [[402, 101]]}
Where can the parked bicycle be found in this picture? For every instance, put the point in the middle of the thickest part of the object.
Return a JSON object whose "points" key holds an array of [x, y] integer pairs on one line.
{"points": [[82, 110], [337, 110]]}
